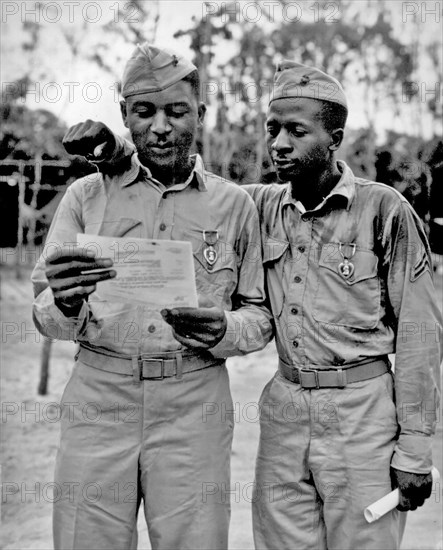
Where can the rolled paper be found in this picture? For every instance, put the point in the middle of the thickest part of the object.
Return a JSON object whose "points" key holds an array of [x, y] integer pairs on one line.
{"points": [[390, 501], [382, 506]]}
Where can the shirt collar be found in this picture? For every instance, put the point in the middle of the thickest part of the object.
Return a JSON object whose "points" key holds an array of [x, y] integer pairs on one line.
{"points": [[345, 188], [137, 171]]}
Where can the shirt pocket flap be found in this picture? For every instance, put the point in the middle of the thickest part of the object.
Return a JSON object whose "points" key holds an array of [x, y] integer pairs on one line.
{"points": [[118, 228], [365, 263], [273, 252], [273, 249]]}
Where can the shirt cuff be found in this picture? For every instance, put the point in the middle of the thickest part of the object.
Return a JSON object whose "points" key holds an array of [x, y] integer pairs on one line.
{"points": [[229, 344], [53, 323], [413, 453]]}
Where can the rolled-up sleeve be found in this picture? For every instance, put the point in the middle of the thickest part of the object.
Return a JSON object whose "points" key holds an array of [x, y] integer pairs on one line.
{"points": [[416, 314]]}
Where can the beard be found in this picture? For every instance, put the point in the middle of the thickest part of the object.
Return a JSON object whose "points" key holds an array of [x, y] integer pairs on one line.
{"points": [[302, 170], [168, 162], [304, 174]]}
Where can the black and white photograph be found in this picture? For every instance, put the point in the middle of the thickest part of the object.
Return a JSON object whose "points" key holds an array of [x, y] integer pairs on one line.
{"points": [[221, 274]]}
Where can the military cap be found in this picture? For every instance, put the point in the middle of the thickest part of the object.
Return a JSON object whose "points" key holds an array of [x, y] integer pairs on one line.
{"points": [[152, 69], [293, 79]]}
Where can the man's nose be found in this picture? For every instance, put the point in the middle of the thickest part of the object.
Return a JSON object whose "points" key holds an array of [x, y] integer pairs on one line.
{"points": [[160, 124], [281, 143]]}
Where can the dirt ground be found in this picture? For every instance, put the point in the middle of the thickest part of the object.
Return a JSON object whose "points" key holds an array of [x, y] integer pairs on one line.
{"points": [[30, 429]]}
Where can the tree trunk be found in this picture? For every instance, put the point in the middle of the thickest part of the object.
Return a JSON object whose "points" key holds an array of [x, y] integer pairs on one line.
{"points": [[44, 366], [21, 202]]}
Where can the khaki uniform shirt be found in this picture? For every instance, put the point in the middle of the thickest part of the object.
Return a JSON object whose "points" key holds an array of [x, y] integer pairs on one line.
{"points": [[136, 205], [387, 305]]}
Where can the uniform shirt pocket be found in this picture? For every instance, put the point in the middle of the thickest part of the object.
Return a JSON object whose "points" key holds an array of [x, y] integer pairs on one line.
{"points": [[353, 302], [217, 281]]}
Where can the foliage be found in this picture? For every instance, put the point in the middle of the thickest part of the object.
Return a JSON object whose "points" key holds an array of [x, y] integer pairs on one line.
{"points": [[26, 132], [35, 135], [361, 48]]}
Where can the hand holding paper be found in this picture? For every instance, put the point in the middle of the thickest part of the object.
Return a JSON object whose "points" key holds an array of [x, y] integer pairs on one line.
{"points": [[390, 501], [73, 275], [198, 328]]}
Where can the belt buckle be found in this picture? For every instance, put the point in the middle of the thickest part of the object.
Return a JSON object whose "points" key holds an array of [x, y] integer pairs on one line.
{"points": [[302, 371], [162, 369]]}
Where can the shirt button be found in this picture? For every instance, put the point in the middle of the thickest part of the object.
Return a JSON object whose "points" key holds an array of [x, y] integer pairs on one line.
{"points": [[151, 328], [162, 226], [301, 249], [294, 311], [297, 279], [295, 344]]}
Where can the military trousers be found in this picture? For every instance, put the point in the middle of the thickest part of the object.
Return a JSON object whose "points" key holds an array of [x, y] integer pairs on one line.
{"points": [[162, 443], [324, 456]]}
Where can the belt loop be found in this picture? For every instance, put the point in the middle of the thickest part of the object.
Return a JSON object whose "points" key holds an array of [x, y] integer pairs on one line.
{"points": [[179, 369], [136, 366], [341, 378]]}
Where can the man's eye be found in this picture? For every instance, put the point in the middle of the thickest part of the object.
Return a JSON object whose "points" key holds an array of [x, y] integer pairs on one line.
{"points": [[144, 112], [177, 112], [297, 132], [272, 130]]}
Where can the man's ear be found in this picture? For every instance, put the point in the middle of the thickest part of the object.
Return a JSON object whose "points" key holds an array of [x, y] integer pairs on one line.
{"points": [[124, 113], [201, 113], [336, 139]]}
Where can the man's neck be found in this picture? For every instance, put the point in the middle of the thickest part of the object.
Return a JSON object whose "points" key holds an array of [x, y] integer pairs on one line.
{"points": [[313, 191], [172, 176]]}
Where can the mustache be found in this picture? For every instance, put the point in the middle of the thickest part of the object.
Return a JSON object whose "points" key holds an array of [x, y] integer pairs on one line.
{"points": [[148, 140]]}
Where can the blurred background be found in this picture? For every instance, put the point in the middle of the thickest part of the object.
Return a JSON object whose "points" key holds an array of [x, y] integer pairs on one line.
{"points": [[61, 63]]}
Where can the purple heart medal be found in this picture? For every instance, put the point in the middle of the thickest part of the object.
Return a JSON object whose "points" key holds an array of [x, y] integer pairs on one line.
{"points": [[209, 252], [346, 268]]}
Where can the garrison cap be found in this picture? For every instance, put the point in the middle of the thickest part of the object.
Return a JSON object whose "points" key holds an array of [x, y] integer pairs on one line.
{"points": [[152, 69], [293, 79]]}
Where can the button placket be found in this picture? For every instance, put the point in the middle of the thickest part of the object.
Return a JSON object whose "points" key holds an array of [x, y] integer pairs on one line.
{"points": [[300, 255], [165, 216]]}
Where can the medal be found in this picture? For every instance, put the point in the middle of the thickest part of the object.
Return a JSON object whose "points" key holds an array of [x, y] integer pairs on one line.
{"points": [[209, 252], [346, 268]]}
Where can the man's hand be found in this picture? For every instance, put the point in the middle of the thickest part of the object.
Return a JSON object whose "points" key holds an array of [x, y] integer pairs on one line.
{"points": [[91, 139], [67, 274], [414, 488], [197, 327]]}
